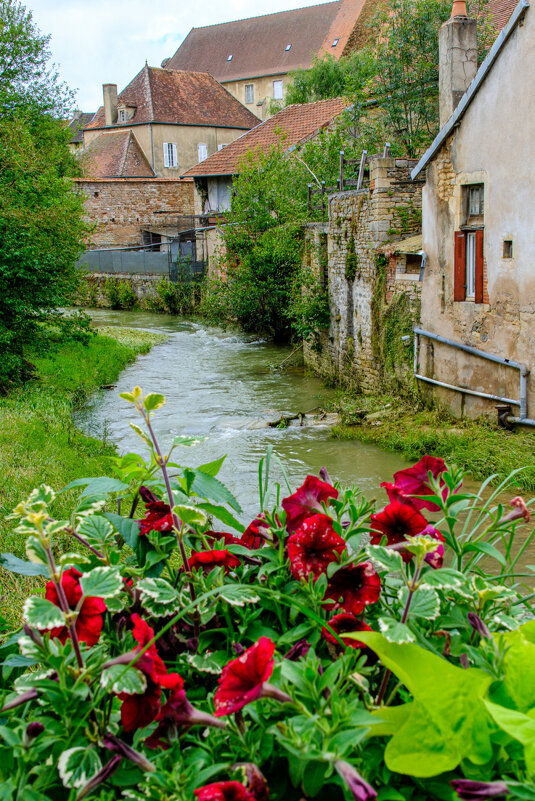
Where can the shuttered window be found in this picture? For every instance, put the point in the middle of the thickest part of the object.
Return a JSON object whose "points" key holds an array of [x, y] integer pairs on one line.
{"points": [[468, 266], [170, 158]]}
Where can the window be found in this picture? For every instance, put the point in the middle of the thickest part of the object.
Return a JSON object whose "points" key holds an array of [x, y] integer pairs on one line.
{"points": [[249, 92], [288, 47], [122, 115], [468, 266], [277, 90], [229, 58], [220, 147], [335, 42], [473, 204], [169, 154], [203, 152], [508, 248]]}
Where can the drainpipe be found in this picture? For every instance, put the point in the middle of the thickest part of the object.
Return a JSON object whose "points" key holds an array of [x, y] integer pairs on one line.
{"points": [[151, 149]]}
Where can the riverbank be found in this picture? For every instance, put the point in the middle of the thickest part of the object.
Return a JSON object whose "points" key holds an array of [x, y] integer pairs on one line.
{"points": [[38, 440], [478, 446]]}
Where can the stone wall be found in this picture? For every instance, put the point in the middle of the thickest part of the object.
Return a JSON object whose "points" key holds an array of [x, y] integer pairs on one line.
{"points": [[122, 208], [360, 287], [139, 291]]}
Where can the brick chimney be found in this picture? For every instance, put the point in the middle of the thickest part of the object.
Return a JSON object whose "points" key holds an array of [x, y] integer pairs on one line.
{"points": [[457, 43], [109, 91]]}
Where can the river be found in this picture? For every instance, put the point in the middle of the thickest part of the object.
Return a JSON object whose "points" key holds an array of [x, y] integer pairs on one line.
{"points": [[221, 385]]}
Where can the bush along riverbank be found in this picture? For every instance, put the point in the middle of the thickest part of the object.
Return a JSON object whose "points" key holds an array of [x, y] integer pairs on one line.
{"points": [[38, 439], [328, 650], [145, 293], [479, 447]]}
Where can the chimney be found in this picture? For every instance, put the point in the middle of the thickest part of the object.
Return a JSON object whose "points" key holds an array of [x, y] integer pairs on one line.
{"points": [[109, 90], [457, 44]]}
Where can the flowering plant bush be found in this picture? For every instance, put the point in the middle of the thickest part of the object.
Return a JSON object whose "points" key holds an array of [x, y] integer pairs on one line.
{"points": [[326, 651]]}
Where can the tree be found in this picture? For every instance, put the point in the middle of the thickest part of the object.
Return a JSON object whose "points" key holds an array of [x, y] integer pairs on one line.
{"points": [[41, 217], [329, 77]]}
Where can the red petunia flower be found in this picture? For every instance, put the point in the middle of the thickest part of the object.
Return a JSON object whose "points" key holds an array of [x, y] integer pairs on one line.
{"points": [[137, 711], [88, 624], [353, 587], [397, 521], [395, 493], [307, 501], [216, 536], [242, 679], [256, 533], [313, 546], [345, 624], [224, 791], [175, 717], [207, 560], [158, 515], [415, 480]]}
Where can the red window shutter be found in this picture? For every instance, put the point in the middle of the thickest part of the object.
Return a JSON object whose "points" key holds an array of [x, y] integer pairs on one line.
{"points": [[479, 267], [459, 267]]}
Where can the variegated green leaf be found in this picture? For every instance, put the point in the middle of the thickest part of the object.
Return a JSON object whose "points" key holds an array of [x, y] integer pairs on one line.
{"points": [[78, 765], [42, 614]]}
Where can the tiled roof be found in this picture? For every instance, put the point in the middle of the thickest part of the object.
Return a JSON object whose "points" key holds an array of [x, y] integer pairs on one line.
{"points": [[258, 45], [115, 154], [184, 98], [78, 123], [296, 123], [500, 11]]}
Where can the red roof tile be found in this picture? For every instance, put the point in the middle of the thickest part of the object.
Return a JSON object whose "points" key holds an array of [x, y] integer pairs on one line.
{"points": [[183, 98], [297, 123], [116, 154], [500, 11], [258, 45]]}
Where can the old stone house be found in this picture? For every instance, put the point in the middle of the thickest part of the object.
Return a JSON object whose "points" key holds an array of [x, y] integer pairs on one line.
{"points": [[478, 234], [253, 57], [141, 140], [76, 129]]}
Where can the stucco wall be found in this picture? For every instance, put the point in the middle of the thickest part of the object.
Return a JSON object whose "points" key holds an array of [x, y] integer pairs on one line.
{"points": [[370, 218], [494, 145], [186, 137], [121, 208], [263, 91]]}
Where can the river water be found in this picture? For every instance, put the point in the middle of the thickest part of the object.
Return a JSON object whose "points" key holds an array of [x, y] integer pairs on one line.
{"points": [[221, 385]]}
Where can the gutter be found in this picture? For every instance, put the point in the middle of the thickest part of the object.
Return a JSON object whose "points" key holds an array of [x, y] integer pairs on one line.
{"points": [[472, 90]]}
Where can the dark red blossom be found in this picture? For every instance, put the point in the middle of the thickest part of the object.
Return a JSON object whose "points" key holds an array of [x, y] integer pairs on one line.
{"points": [[415, 480], [138, 710], [216, 536], [396, 522], [314, 546], [306, 501], [354, 587], [242, 679], [207, 560], [345, 624], [395, 493], [469, 790], [256, 533], [158, 515], [359, 787], [176, 716], [224, 791], [89, 622]]}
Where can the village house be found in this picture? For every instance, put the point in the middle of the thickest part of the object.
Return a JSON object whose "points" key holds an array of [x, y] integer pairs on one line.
{"points": [[475, 345], [253, 57], [76, 128], [141, 140]]}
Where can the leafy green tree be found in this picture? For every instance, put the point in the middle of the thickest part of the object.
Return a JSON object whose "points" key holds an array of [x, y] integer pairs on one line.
{"points": [[41, 217], [329, 77]]}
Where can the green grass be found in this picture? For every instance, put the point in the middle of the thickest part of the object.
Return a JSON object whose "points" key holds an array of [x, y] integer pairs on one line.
{"points": [[478, 446], [39, 442]]}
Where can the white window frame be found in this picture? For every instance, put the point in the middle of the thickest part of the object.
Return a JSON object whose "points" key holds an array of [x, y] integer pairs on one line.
{"points": [[470, 265], [170, 158], [277, 90], [202, 151], [249, 94]]}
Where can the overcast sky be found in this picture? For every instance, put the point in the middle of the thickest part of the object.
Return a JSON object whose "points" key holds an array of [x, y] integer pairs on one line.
{"points": [[107, 41]]}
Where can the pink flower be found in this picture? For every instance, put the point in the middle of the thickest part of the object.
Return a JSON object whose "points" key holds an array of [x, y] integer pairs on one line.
{"points": [[306, 501], [314, 546], [415, 480]]}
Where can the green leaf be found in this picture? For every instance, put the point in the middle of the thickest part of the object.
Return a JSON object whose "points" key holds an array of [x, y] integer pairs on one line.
{"points": [[101, 485], [393, 631], [238, 596], [442, 578], [35, 551], [153, 401], [187, 441], [223, 515], [158, 589], [518, 726], [96, 529], [42, 614], [206, 486], [445, 723], [190, 515], [78, 765], [141, 434], [102, 582], [212, 468], [487, 549], [121, 679], [385, 558], [518, 648], [127, 528], [22, 568], [425, 603]]}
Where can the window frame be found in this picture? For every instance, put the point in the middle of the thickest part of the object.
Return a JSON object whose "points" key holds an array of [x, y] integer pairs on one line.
{"points": [[205, 151], [170, 157], [277, 84], [250, 87]]}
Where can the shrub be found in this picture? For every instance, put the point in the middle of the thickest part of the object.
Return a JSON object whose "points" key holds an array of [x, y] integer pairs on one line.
{"points": [[323, 651]]}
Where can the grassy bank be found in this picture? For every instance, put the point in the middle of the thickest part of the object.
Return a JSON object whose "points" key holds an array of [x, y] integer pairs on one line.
{"points": [[478, 446], [38, 441]]}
